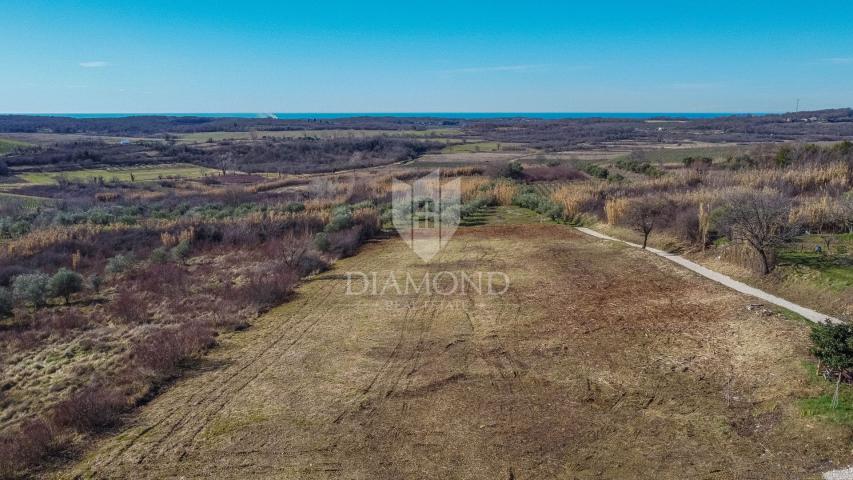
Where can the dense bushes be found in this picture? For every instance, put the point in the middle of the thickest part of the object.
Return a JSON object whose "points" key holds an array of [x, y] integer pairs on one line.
{"points": [[469, 208], [13, 228], [165, 350], [91, 409], [24, 446], [6, 302], [596, 171], [31, 288], [119, 264], [637, 166], [269, 286], [529, 198], [340, 219]]}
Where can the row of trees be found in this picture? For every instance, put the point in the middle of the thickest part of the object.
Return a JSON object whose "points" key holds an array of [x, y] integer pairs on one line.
{"points": [[36, 288], [757, 220]]}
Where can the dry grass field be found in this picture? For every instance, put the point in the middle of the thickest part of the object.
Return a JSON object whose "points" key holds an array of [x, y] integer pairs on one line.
{"points": [[598, 362]]}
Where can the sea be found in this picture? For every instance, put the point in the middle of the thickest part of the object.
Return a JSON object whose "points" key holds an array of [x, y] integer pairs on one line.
{"points": [[452, 115]]}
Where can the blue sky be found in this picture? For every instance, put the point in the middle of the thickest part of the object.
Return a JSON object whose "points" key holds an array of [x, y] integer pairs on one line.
{"points": [[258, 56]]}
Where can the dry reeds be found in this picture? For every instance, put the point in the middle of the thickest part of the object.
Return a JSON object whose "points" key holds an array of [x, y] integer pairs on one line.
{"points": [[577, 198], [615, 209]]}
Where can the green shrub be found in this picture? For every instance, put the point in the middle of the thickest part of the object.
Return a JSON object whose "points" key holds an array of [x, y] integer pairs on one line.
{"points": [[99, 216], [697, 161], [321, 241], [127, 220], [159, 255], [10, 228], [740, 162], [784, 156], [513, 169], [294, 207], [468, 209], [833, 345], [596, 171], [6, 302], [64, 283], [341, 219], [119, 263], [181, 250], [31, 288], [95, 282], [530, 199], [635, 166]]}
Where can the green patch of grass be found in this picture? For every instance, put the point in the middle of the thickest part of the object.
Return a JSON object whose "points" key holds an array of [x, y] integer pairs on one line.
{"points": [[820, 405], [835, 271], [137, 174], [7, 145], [676, 155], [790, 315], [25, 201]]}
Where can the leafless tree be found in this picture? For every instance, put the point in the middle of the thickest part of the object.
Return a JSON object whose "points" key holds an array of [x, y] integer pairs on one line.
{"points": [[226, 161], [847, 212], [760, 221], [294, 247], [644, 215]]}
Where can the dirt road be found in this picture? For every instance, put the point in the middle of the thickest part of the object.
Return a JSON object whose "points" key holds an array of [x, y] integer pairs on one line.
{"points": [[597, 362]]}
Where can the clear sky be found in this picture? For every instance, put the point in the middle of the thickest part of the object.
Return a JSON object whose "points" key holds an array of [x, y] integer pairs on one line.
{"points": [[436, 56]]}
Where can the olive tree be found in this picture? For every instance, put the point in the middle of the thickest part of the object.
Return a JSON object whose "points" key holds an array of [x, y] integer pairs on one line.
{"points": [[31, 287], [64, 283]]}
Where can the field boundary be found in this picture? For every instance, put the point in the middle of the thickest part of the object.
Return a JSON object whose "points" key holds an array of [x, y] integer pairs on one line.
{"points": [[807, 313]]}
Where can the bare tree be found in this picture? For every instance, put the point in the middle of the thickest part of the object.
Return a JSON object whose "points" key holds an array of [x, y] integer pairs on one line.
{"points": [[847, 213], [294, 247], [760, 221], [644, 215], [226, 161]]}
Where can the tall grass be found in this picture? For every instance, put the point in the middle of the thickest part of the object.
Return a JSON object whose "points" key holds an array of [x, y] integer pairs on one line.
{"points": [[578, 198]]}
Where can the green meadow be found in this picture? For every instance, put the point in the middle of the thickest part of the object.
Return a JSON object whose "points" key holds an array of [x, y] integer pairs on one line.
{"points": [[7, 145], [136, 174]]}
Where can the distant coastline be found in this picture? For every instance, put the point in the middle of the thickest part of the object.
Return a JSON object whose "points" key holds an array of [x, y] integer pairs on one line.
{"points": [[452, 115]]}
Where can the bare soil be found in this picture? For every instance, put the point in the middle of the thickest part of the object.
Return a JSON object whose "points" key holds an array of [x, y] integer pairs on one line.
{"points": [[598, 362]]}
